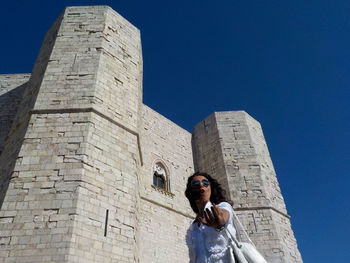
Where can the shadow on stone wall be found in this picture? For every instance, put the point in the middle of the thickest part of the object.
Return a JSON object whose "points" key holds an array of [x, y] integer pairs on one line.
{"points": [[9, 156], [9, 148], [9, 103]]}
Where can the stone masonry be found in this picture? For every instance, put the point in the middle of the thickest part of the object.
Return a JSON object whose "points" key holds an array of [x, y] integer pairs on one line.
{"points": [[79, 152]]}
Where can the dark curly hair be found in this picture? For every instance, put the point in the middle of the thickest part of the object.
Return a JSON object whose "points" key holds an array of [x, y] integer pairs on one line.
{"points": [[217, 193]]}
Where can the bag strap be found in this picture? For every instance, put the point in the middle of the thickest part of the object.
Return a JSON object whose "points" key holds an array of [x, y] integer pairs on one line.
{"points": [[232, 238], [241, 227], [236, 254]]}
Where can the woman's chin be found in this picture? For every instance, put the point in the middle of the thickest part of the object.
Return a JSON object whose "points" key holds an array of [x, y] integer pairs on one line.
{"points": [[202, 200]]}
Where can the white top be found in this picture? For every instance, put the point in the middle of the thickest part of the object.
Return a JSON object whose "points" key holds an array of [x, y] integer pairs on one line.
{"points": [[207, 245]]}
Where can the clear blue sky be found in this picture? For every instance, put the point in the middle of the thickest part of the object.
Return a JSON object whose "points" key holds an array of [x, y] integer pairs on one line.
{"points": [[286, 63]]}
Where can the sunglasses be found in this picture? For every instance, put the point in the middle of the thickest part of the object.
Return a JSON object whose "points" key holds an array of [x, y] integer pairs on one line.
{"points": [[197, 183]]}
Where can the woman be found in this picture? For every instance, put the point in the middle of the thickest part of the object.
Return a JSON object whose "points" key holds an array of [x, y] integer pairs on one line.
{"points": [[205, 238]]}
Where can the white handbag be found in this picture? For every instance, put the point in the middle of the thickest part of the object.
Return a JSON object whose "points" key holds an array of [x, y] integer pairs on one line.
{"points": [[243, 252]]}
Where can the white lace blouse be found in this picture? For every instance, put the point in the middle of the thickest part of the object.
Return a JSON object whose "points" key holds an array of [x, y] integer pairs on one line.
{"points": [[207, 245]]}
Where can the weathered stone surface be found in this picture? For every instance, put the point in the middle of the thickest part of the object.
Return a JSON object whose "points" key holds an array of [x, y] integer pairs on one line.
{"points": [[78, 152], [164, 216], [79, 156], [11, 92]]}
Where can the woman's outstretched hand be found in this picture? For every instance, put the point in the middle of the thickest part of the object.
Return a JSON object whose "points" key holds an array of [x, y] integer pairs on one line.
{"points": [[215, 217]]}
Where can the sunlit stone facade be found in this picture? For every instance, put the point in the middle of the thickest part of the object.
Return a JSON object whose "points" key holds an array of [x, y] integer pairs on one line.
{"points": [[79, 151]]}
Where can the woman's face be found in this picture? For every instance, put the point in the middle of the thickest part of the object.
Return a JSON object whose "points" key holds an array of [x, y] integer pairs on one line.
{"points": [[201, 189]]}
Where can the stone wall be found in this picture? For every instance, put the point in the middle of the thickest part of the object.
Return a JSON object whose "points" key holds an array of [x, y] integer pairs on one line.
{"points": [[72, 195], [165, 215], [12, 88], [11, 92], [23, 104]]}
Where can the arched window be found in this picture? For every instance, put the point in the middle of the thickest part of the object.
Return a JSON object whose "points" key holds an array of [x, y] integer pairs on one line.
{"points": [[160, 178]]}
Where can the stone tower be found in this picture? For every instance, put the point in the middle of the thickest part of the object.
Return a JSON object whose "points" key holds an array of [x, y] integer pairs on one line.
{"points": [[91, 174], [231, 146]]}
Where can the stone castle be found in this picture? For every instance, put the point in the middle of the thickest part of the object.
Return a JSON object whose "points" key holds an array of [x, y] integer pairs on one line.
{"points": [[88, 173]]}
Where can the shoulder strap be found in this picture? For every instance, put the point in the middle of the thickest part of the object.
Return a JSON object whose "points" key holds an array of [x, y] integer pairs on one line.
{"points": [[242, 228]]}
